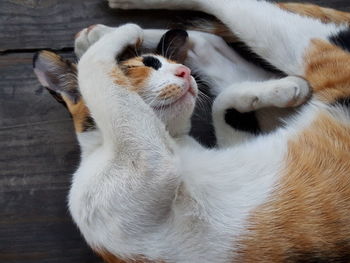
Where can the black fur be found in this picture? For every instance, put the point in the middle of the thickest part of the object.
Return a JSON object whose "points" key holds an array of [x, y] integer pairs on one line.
{"points": [[89, 124], [343, 102], [245, 52], [342, 39], [174, 45], [243, 121], [152, 62]]}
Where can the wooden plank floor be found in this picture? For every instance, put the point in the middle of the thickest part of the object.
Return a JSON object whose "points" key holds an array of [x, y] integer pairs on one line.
{"points": [[38, 148]]}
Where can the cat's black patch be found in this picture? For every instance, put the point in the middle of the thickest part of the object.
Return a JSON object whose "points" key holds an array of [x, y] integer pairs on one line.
{"points": [[152, 62], [245, 52], [343, 102], [174, 45], [202, 128], [89, 124], [243, 121], [342, 39], [57, 97]]}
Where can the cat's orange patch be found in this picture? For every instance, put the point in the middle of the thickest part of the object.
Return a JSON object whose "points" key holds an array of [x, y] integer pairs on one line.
{"points": [[327, 70], [136, 73], [170, 91], [326, 15], [80, 113], [118, 77], [308, 215], [138, 76]]}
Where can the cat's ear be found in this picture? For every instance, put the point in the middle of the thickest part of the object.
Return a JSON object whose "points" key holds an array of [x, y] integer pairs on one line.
{"points": [[58, 75], [174, 45]]}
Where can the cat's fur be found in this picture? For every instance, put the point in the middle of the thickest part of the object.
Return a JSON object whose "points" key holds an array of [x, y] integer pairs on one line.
{"points": [[279, 197]]}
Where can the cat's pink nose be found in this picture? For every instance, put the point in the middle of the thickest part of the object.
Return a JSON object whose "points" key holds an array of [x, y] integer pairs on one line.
{"points": [[183, 72]]}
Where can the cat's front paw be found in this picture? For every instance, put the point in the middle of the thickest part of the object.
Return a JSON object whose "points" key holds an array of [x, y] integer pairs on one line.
{"points": [[88, 36], [132, 34]]}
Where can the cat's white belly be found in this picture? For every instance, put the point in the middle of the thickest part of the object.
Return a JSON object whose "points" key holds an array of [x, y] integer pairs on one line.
{"points": [[218, 191]]}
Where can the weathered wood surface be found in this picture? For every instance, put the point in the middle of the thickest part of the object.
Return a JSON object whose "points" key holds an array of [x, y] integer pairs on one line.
{"points": [[53, 23], [38, 149]]}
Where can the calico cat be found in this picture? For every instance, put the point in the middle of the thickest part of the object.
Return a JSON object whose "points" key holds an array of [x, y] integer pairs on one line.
{"points": [[142, 192], [151, 139]]}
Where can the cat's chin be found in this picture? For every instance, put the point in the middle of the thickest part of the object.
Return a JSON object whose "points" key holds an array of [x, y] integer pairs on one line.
{"points": [[188, 97], [177, 115]]}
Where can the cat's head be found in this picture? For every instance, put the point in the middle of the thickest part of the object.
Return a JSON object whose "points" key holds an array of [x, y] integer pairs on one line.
{"points": [[158, 77]]}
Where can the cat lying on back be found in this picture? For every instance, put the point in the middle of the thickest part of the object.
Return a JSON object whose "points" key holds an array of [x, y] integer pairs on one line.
{"points": [[139, 193]]}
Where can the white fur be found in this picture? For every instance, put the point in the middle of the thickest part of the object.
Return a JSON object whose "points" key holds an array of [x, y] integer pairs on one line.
{"points": [[142, 192]]}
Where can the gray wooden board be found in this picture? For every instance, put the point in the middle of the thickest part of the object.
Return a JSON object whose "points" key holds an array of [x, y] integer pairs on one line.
{"points": [[38, 149]]}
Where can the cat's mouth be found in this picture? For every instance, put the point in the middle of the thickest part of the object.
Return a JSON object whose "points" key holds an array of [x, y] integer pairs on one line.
{"points": [[190, 92]]}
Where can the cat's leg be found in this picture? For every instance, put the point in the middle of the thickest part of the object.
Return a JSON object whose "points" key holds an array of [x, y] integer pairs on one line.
{"points": [[251, 96], [280, 37], [137, 173]]}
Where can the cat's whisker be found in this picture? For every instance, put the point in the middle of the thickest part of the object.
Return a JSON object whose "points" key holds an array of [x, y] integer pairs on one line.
{"points": [[171, 42]]}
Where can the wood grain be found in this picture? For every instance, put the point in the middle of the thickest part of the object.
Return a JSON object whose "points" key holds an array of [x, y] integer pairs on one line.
{"points": [[53, 23], [38, 148]]}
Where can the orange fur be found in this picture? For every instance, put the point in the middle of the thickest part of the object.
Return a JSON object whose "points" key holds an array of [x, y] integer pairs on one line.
{"points": [[136, 72], [79, 113], [138, 76], [119, 78], [326, 15], [307, 215], [170, 91], [327, 71]]}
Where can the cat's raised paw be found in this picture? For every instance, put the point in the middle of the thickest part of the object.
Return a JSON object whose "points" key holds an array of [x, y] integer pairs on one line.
{"points": [[88, 36]]}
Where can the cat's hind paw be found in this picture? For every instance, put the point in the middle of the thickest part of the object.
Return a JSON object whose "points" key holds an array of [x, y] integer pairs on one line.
{"points": [[288, 92], [251, 96], [283, 93]]}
